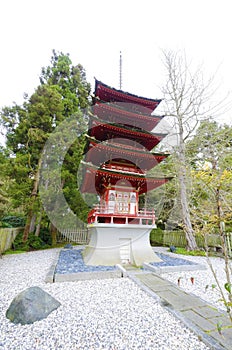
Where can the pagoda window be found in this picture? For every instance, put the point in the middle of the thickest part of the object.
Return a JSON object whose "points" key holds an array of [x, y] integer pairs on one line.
{"points": [[112, 197], [133, 198]]}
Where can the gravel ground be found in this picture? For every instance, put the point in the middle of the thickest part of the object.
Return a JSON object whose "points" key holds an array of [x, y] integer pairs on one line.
{"points": [[204, 284], [97, 314]]}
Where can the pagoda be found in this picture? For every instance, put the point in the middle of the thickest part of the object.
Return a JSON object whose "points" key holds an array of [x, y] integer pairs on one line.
{"points": [[118, 156]]}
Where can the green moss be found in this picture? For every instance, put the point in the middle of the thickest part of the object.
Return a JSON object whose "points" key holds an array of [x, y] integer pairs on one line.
{"points": [[183, 251], [11, 251]]}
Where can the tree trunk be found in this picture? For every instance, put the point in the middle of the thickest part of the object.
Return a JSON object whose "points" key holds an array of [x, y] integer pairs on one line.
{"points": [[53, 231], [37, 231], [188, 229], [221, 225], [32, 202], [32, 223]]}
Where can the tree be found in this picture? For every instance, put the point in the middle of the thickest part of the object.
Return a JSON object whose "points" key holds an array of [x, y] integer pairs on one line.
{"points": [[186, 97], [210, 155], [62, 92], [211, 158]]}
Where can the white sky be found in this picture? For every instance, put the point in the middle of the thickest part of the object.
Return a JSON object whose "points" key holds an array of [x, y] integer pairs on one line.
{"points": [[94, 32]]}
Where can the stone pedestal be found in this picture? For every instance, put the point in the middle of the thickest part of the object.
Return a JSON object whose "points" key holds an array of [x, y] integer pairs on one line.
{"points": [[112, 244]]}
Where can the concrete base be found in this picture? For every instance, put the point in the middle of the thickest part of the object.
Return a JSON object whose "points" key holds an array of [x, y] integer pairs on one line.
{"points": [[83, 276], [179, 268], [112, 244]]}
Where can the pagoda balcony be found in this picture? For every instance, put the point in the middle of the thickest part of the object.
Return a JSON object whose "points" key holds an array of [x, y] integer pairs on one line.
{"points": [[120, 168], [104, 215]]}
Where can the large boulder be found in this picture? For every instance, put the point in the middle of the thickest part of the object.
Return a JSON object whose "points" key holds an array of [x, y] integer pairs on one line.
{"points": [[33, 304]]}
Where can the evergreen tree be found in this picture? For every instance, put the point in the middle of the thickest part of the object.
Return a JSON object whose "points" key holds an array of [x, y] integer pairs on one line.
{"points": [[63, 91]]}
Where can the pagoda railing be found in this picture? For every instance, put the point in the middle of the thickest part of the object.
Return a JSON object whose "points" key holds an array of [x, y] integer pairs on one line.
{"points": [[122, 168], [103, 214]]}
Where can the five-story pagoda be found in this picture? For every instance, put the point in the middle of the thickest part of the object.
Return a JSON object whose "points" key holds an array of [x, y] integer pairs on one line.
{"points": [[118, 156]]}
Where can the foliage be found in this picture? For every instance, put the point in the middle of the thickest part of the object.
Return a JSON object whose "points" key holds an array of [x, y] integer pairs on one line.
{"points": [[33, 243], [45, 236], [62, 92], [211, 159], [13, 221], [210, 151], [164, 197]]}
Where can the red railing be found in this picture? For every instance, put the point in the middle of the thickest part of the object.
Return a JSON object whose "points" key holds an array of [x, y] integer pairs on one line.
{"points": [[103, 214], [122, 168]]}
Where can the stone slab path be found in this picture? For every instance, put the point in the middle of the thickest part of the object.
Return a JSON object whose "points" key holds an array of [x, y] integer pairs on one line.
{"points": [[199, 316]]}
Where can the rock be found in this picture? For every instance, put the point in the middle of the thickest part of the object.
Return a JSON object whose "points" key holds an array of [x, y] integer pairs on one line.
{"points": [[33, 304], [172, 249], [68, 246]]}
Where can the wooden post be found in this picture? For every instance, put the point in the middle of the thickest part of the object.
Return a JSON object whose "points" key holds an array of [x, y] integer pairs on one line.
{"points": [[228, 241]]}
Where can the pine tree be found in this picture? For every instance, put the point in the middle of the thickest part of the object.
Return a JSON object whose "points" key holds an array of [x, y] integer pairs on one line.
{"points": [[63, 91]]}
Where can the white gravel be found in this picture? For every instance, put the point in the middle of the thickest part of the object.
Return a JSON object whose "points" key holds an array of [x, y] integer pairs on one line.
{"points": [[204, 285], [98, 314]]}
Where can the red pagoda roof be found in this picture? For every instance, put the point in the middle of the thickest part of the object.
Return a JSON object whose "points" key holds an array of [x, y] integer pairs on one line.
{"points": [[116, 113], [109, 94], [102, 131], [96, 180], [101, 152]]}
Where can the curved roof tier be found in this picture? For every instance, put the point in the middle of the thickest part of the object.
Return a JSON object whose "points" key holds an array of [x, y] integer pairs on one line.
{"points": [[109, 94], [102, 131], [96, 180], [102, 152], [115, 113]]}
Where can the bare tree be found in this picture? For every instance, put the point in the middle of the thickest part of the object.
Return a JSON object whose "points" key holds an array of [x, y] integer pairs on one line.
{"points": [[187, 99]]}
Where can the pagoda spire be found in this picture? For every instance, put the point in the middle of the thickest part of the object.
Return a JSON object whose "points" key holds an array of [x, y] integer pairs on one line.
{"points": [[120, 71]]}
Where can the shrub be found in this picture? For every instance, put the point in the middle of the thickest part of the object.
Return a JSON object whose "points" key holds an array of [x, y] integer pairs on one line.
{"points": [[33, 243], [13, 221], [45, 235]]}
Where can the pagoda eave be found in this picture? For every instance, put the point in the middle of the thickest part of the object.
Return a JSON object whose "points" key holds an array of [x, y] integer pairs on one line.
{"points": [[102, 131], [116, 113], [99, 153], [96, 180], [109, 94]]}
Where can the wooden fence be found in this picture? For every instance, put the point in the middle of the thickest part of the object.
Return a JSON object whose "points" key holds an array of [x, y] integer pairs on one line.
{"points": [[7, 237], [178, 239], [80, 236]]}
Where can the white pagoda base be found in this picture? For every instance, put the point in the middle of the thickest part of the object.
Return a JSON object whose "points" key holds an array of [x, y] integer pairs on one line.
{"points": [[112, 244]]}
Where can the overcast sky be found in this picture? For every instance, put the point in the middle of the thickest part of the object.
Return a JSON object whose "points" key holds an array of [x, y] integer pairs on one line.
{"points": [[94, 32]]}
